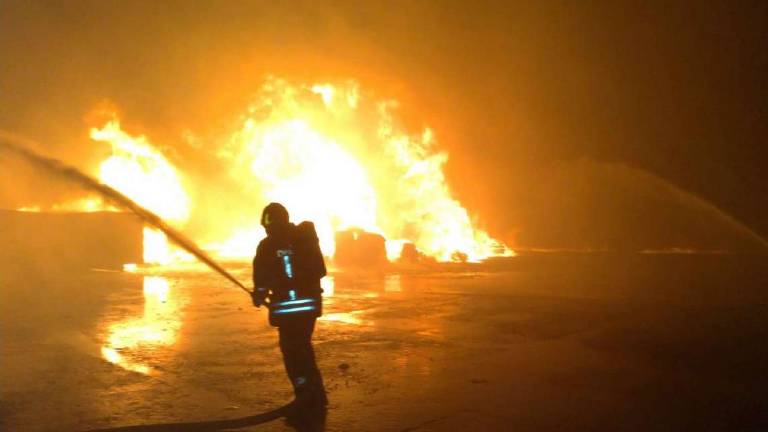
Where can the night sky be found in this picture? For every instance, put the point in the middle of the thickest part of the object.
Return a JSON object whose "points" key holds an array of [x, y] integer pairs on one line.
{"points": [[543, 107]]}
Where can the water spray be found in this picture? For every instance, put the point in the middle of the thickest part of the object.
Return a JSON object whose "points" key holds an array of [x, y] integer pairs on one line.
{"points": [[21, 147]]}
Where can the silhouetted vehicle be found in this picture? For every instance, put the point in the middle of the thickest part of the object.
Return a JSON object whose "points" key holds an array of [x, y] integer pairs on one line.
{"points": [[287, 270]]}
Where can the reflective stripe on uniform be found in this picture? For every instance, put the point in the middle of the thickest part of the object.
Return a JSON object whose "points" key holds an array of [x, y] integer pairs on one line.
{"points": [[294, 302], [287, 266], [294, 310]]}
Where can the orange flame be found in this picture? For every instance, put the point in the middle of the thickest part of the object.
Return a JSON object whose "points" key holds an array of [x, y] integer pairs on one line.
{"points": [[142, 173], [339, 158], [331, 153]]}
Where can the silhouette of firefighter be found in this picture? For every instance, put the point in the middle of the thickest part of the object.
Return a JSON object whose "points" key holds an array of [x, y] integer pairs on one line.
{"points": [[287, 270]]}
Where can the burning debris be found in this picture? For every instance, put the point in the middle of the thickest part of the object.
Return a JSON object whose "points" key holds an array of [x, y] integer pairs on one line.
{"points": [[357, 248], [21, 148], [410, 255], [339, 157], [142, 173], [333, 153]]}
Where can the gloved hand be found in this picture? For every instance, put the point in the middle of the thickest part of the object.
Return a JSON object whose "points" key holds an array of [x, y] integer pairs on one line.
{"points": [[259, 296]]}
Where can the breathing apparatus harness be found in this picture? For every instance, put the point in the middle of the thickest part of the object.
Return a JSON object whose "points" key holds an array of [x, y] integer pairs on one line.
{"points": [[288, 296]]}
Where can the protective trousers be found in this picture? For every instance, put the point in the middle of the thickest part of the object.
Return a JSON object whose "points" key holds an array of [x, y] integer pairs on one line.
{"points": [[299, 358]]}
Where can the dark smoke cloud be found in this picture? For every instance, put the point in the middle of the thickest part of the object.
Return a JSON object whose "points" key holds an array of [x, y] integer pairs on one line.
{"points": [[513, 90]]}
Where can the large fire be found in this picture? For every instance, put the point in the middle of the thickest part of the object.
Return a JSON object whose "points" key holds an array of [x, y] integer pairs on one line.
{"points": [[330, 152], [142, 173], [337, 157]]}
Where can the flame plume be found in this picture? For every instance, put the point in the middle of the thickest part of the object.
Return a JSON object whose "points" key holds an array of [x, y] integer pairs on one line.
{"points": [[140, 172], [330, 152], [339, 157]]}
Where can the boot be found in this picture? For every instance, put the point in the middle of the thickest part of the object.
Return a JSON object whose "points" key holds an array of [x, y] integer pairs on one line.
{"points": [[320, 397]]}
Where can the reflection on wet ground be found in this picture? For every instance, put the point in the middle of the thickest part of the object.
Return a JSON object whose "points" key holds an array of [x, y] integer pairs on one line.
{"points": [[571, 344], [347, 318], [128, 340]]}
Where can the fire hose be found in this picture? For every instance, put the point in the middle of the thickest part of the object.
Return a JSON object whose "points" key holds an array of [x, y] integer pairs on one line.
{"points": [[20, 146]]}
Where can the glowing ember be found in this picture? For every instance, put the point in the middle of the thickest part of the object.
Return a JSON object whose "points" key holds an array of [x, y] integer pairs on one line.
{"points": [[87, 204]]}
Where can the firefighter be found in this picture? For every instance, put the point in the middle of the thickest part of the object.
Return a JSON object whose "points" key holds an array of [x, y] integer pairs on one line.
{"points": [[287, 270]]}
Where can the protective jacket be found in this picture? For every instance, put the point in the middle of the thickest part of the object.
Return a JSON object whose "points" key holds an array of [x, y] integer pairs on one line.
{"points": [[287, 270]]}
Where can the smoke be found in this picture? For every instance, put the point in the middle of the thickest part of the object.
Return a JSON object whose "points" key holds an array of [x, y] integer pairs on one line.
{"points": [[587, 204], [508, 87], [20, 146]]}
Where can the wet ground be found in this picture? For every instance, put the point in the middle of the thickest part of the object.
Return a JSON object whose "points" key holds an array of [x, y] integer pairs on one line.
{"points": [[547, 342]]}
